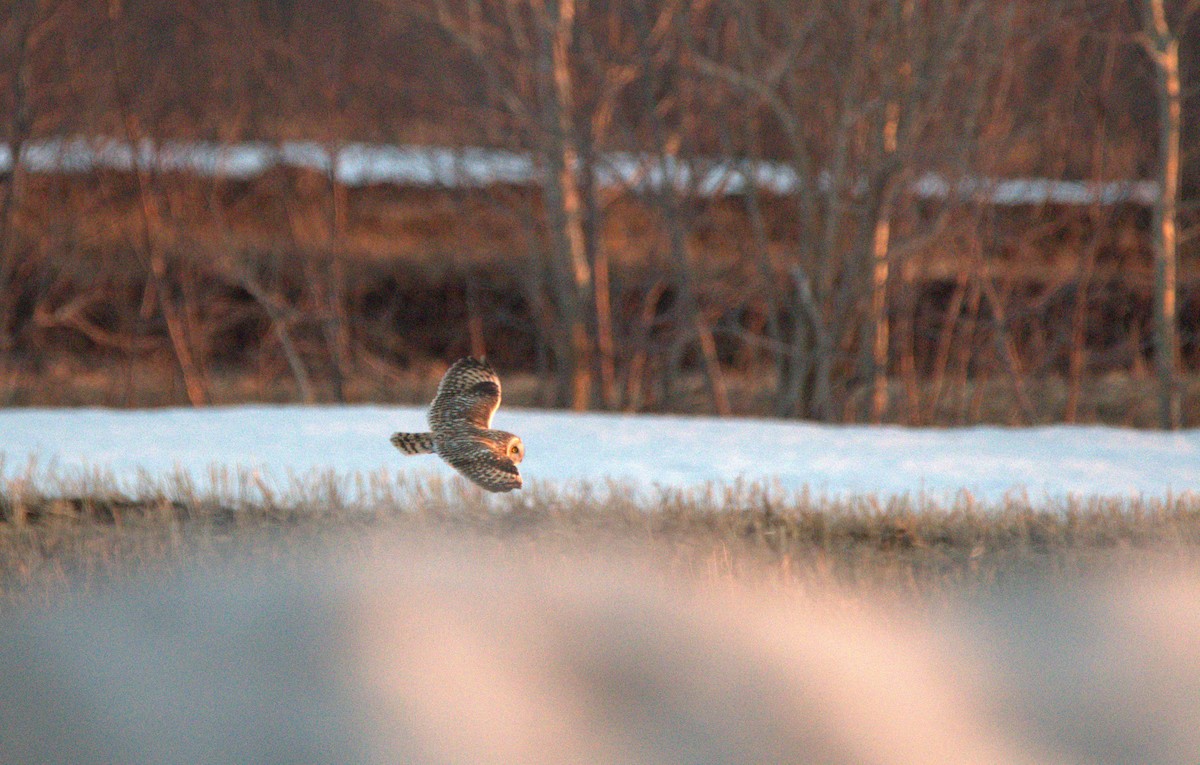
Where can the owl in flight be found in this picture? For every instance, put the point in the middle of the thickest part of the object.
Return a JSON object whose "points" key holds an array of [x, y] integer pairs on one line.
{"points": [[460, 419]]}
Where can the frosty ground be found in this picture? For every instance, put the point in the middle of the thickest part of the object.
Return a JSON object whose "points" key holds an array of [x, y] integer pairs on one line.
{"points": [[282, 443]]}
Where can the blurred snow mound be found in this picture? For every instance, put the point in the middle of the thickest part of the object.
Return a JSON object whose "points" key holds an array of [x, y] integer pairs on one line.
{"points": [[456, 655]]}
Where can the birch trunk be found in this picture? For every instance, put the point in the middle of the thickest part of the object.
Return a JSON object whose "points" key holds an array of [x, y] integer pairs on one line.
{"points": [[1163, 47], [570, 273]]}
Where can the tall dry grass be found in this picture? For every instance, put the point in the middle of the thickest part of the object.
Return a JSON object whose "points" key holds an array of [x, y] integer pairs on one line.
{"points": [[61, 535]]}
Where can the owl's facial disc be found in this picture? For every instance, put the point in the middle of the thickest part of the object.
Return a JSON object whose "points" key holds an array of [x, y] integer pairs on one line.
{"points": [[515, 450]]}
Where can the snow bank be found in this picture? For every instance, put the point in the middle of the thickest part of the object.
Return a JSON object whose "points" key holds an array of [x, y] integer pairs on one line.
{"points": [[282, 442], [358, 164]]}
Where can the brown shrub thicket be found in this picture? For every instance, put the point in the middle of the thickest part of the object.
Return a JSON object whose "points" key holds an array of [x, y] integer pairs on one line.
{"points": [[850, 293]]}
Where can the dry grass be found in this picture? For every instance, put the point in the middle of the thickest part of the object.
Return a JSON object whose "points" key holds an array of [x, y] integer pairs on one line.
{"points": [[77, 535]]}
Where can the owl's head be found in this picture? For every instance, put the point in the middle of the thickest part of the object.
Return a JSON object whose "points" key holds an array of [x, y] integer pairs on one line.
{"points": [[514, 448], [502, 473]]}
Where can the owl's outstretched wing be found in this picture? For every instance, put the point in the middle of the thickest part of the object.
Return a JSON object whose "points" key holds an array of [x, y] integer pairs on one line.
{"points": [[468, 393]]}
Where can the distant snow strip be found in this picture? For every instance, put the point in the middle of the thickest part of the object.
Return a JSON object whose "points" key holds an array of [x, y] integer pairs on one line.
{"points": [[359, 164], [282, 442]]}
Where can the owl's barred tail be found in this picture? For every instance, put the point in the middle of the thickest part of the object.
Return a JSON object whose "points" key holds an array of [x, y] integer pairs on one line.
{"points": [[413, 443]]}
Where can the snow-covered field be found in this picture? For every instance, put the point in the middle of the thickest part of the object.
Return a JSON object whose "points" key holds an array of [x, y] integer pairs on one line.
{"points": [[286, 442]]}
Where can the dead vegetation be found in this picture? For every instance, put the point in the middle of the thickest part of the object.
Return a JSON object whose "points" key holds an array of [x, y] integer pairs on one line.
{"points": [[847, 294]]}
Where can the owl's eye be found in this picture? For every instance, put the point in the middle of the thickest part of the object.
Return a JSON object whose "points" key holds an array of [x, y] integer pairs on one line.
{"points": [[514, 450]]}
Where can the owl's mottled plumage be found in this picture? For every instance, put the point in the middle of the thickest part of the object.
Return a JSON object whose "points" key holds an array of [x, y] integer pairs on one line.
{"points": [[460, 419]]}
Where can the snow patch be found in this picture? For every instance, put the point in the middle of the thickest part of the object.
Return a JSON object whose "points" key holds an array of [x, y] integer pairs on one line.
{"points": [[283, 442]]}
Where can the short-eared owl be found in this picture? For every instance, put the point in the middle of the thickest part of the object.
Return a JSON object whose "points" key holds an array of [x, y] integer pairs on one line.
{"points": [[460, 419]]}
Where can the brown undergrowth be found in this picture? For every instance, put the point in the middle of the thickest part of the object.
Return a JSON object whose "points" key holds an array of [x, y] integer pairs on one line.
{"points": [[1117, 399]]}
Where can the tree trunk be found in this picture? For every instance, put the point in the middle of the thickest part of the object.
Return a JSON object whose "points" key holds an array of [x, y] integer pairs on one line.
{"points": [[1163, 47], [571, 279], [152, 254], [766, 273], [597, 256], [1006, 350], [1077, 358], [334, 323], [20, 123], [812, 353], [880, 332], [886, 139]]}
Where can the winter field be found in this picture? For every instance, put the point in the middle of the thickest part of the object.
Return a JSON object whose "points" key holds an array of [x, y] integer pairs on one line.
{"points": [[173, 583], [281, 444]]}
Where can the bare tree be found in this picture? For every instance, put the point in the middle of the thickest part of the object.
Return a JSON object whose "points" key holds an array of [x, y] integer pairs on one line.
{"points": [[525, 52], [611, 73], [22, 28], [858, 98], [674, 176], [571, 275], [158, 286], [1162, 45]]}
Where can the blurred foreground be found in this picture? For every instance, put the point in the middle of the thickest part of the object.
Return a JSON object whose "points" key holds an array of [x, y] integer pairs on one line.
{"points": [[442, 625], [467, 653]]}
